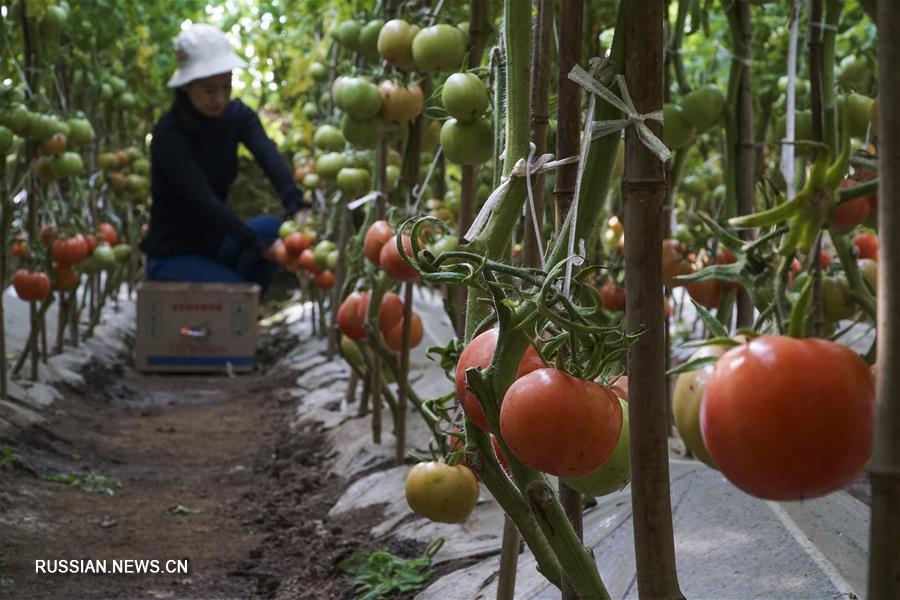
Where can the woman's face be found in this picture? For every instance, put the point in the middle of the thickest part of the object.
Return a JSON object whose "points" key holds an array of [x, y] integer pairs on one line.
{"points": [[210, 95]]}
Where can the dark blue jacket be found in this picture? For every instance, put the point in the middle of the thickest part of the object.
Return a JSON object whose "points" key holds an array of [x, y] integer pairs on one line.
{"points": [[194, 162]]}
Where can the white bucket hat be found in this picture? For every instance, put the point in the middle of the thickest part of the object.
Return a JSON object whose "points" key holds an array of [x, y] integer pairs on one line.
{"points": [[202, 51]]}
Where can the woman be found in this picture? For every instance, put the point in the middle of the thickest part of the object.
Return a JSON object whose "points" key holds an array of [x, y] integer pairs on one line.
{"points": [[193, 235]]}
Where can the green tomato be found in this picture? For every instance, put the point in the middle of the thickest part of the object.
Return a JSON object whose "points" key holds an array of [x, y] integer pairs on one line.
{"points": [[53, 21], [703, 106], [104, 256], [311, 181], [686, 400], [452, 201], [858, 109], [392, 173], [439, 48], [310, 110], [468, 143], [365, 133], [80, 132], [855, 73], [321, 252], [395, 43], [319, 72], [358, 97], [464, 96], [141, 166], [121, 252], [368, 38], [677, 130], [836, 300], [353, 182], [17, 118], [347, 34], [329, 138], [445, 243], [127, 100], [614, 474], [331, 260], [288, 227], [66, 164], [6, 140], [328, 165]]}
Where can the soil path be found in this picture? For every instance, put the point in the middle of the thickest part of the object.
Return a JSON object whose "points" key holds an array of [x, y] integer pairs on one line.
{"points": [[210, 472]]}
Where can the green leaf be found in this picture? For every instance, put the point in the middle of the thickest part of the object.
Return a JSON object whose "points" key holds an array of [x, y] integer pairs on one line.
{"points": [[716, 329], [693, 365]]}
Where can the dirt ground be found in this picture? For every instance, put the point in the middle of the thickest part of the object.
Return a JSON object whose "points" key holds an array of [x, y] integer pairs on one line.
{"points": [[210, 472]]}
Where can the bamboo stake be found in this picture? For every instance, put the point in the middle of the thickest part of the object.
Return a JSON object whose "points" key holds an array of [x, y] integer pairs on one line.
{"points": [[6, 211], [746, 147], [645, 190], [403, 379], [568, 124], [884, 545]]}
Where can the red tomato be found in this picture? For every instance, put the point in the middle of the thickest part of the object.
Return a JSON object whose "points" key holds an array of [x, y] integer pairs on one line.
{"points": [[351, 317], [31, 286], [674, 262], [393, 337], [788, 419], [848, 215], [20, 249], [91, 241], [705, 293], [66, 279], [281, 255], [560, 424], [48, 234], [377, 235], [867, 245], [390, 312], [479, 353], [324, 280], [296, 242], [393, 264], [107, 233], [307, 261], [612, 296]]}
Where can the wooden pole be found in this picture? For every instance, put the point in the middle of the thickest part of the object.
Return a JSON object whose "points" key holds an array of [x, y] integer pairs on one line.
{"points": [[746, 147], [884, 550], [645, 193], [403, 379], [568, 124]]}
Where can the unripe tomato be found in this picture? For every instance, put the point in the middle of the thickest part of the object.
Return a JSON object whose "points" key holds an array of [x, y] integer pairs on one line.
{"points": [[439, 48], [702, 106], [614, 474], [479, 353], [329, 165], [393, 337], [858, 109], [31, 286], [468, 143], [689, 388], [393, 264], [368, 38], [376, 237], [347, 34], [869, 270], [107, 161], [80, 131], [104, 256], [867, 245], [353, 183], [464, 96], [66, 164], [788, 419], [122, 252], [351, 316], [324, 280], [359, 98], [395, 43], [836, 301], [677, 130], [560, 424], [318, 71], [441, 493], [6, 140], [329, 137], [400, 104], [365, 133], [54, 144], [321, 252], [311, 181]]}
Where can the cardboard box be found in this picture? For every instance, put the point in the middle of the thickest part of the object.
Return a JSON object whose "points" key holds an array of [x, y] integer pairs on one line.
{"points": [[196, 327]]}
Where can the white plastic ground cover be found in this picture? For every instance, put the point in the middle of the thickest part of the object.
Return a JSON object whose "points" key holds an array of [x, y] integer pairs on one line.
{"points": [[727, 544]]}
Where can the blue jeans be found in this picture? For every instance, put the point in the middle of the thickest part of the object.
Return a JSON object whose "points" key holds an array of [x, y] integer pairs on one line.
{"points": [[233, 263]]}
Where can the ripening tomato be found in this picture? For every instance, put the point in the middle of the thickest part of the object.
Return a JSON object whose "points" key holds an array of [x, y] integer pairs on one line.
{"points": [[31, 286], [615, 473], [442, 493], [789, 419], [393, 337], [379, 233], [479, 353], [560, 424], [612, 296], [107, 233], [399, 103], [395, 43], [20, 249], [689, 389], [351, 317], [308, 261], [393, 264], [867, 245], [324, 280]]}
